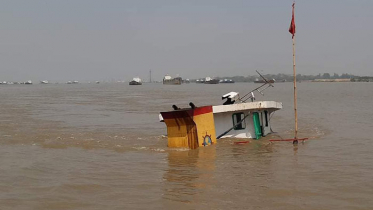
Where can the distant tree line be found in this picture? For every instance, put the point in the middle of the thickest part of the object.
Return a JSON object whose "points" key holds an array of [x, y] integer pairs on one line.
{"points": [[362, 79], [287, 77]]}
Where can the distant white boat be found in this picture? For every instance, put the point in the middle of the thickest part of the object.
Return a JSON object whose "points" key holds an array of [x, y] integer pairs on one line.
{"points": [[226, 81], [210, 80], [44, 82], [29, 82], [168, 80], [135, 81]]}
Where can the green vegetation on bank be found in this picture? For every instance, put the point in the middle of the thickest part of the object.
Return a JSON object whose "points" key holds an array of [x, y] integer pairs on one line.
{"points": [[289, 77], [362, 79]]}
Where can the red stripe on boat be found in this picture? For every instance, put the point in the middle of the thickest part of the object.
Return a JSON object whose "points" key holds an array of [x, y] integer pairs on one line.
{"points": [[185, 113], [202, 110]]}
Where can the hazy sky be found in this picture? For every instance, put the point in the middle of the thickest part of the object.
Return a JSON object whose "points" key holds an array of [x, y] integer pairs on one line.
{"points": [[61, 40]]}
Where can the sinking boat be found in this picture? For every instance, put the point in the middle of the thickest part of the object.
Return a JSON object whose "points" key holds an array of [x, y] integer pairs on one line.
{"points": [[195, 127]]}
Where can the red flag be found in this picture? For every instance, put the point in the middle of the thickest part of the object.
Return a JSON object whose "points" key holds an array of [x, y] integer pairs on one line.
{"points": [[292, 24]]}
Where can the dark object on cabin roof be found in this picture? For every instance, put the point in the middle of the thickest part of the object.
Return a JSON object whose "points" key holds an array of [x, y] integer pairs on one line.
{"points": [[229, 101], [175, 107], [192, 105]]}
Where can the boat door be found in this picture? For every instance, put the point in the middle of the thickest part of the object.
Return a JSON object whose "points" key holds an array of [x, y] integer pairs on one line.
{"points": [[266, 126], [257, 126]]}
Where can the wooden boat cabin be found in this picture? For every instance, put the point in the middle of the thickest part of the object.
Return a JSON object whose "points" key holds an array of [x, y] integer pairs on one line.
{"points": [[200, 126]]}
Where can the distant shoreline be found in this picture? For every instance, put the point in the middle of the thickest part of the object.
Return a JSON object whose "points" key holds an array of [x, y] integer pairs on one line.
{"points": [[331, 80]]}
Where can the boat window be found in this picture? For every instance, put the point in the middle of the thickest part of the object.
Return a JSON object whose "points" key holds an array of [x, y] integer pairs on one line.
{"points": [[266, 117], [237, 117]]}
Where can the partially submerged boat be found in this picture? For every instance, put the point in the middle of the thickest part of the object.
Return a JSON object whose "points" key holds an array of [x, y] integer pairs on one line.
{"points": [[195, 127]]}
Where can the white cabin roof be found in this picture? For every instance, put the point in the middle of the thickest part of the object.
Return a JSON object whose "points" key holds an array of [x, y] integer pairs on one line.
{"points": [[248, 106], [136, 79]]}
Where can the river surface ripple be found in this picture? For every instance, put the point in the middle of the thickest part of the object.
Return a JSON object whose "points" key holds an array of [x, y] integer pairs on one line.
{"points": [[100, 146]]}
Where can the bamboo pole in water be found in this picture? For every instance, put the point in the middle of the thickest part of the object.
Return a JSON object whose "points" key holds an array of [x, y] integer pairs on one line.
{"points": [[295, 96]]}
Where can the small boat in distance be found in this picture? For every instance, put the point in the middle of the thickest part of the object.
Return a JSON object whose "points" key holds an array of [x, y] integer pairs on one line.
{"points": [[226, 81], [44, 82], [135, 81], [209, 80], [262, 81], [29, 82], [168, 80]]}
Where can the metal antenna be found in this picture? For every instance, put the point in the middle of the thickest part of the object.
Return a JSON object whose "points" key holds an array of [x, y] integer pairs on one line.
{"points": [[266, 82]]}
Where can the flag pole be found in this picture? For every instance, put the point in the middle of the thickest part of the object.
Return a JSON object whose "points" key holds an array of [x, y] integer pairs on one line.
{"points": [[292, 31], [295, 96]]}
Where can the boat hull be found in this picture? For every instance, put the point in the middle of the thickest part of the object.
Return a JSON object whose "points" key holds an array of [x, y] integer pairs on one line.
{"points": [[262, 81], [174, 81], [135, 83], [213, 81]]}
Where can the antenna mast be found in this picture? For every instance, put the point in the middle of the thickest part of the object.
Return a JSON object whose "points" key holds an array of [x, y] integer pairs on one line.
{"points": [[150, 72]]}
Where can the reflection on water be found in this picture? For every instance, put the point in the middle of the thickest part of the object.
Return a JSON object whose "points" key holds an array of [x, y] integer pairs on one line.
{"points": [[189, 173], [100, 146]]}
